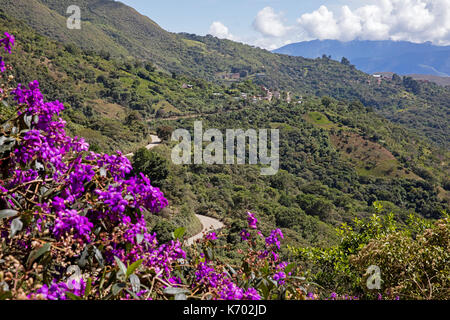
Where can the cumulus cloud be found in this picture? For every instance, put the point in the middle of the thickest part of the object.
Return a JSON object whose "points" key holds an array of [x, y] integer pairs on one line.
{"points": [[408, 20], [320, 23], [219, 30], [411, 20], [270, 23]]}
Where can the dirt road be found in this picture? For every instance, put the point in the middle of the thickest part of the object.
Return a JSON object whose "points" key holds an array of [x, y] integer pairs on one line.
{"points": [[156, 141], [209, 224]]}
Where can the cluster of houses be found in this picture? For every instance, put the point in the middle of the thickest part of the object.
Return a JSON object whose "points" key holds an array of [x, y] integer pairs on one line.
{"points": [[231, 76], [235, 76], [267, 96], [379, 77]]}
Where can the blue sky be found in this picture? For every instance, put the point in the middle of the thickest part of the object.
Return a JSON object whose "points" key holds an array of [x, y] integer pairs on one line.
{"points": [[273, 23]]}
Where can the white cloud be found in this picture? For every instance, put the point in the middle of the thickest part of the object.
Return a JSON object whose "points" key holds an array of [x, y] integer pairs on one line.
{"points": [[408, 20], [219, 30], [349, 23], [270, 23], [320, 23]]}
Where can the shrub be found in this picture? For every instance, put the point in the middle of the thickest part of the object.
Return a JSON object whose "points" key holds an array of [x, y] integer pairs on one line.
{"points": [[412, 266]]}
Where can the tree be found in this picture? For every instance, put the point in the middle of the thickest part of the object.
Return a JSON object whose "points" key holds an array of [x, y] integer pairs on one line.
{"points": [[160, 113], [163, 230], [396, 78], [151, 164], [345, 61], [132, 117], [411, 85], [164, 132]]}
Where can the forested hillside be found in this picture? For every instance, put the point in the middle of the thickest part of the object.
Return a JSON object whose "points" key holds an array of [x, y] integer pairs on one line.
{"points": [[120, 30], [347, 154], [353, 186], [109, 101]]}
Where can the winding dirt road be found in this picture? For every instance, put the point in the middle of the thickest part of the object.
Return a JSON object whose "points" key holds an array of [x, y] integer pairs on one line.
{"points": [[156, 141], [209, 225]]}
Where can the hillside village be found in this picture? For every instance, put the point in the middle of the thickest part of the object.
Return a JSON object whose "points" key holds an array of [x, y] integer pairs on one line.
{"points": [[269, 95]]}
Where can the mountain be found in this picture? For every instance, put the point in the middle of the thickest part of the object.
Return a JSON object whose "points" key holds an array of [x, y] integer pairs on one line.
{"points": [[340, 161], [121, 32], [379, 56]]}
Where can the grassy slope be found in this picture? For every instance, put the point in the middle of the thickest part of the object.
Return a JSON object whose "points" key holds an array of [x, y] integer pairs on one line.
{"points": [[119, 29], [97, 112], [100, 93]]}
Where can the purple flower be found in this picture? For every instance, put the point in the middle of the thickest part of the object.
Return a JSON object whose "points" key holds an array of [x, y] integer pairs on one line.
{"points": [[2, 65], [57, 291], [7, 42], [211, 236], [71, 221], [274, 238], [245, 235], [252, 221], [251, 294], [280, 277]]}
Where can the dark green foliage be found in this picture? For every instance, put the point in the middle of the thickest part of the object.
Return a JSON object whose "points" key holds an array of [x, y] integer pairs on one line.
{"points": [[164, 231], [116, 103], [116, 28], [152, 165], [164, 132], [345, 61]]}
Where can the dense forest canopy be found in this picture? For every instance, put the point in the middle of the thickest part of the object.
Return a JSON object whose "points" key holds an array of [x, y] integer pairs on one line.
{"points": [[367, 159]]}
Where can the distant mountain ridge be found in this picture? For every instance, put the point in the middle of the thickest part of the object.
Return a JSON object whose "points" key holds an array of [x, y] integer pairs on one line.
{"points": [[118, 31], [401, 57]]}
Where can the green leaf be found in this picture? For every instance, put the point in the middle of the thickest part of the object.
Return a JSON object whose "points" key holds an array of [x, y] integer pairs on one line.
{"points": [[135, 283], [98, 256], [289, 268], [122, 267], [4, 295], [210, 254], [179, 233], [71, 296], [117, 288], [27, 120], [233, 272], [246, 267], [133, 267], [265, 290], [37, 253], [87, 291], [298, 278], [7, 213], [171, 291], [180, 296], [16, 226], [133, 294]]}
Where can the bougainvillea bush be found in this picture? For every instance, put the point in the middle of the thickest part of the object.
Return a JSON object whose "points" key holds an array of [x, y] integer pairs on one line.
{"points": [[73, 222]]}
